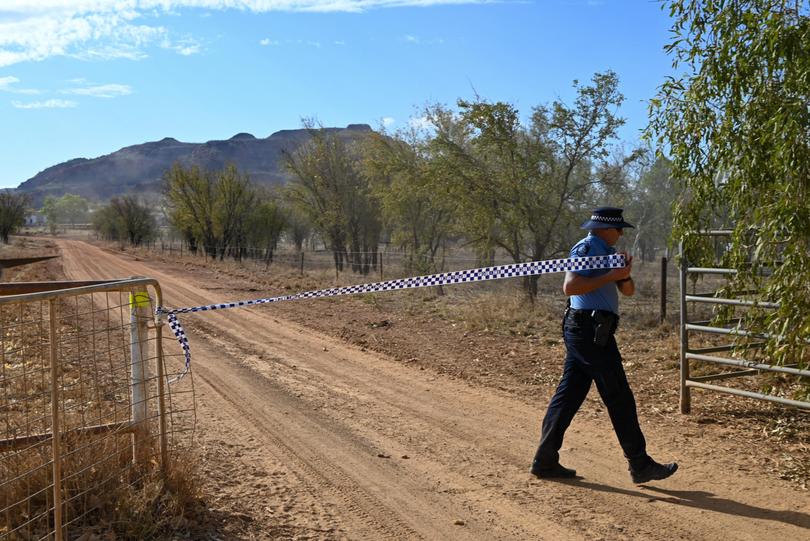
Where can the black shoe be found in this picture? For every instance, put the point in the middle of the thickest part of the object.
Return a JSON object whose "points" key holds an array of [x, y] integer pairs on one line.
{"points": [[557, 471], [653, 471]]}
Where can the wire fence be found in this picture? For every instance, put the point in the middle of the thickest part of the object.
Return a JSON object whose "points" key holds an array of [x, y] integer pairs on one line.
{"points": [[85, 409], [384, 263]]}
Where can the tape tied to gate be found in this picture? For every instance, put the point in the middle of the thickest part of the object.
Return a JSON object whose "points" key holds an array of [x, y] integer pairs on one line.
{"points": [[514, 270]]}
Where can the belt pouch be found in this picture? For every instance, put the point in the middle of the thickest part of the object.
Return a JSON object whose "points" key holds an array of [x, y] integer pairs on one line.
{"points": [[603, 326]]}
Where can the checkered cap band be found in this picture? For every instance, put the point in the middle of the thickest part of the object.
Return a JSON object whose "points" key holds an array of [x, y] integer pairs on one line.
{"points": [[614, 219], [530, 268]]}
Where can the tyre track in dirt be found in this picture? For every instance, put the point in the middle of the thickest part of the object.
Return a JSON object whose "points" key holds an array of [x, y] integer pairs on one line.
{"points": [[324, 411]]}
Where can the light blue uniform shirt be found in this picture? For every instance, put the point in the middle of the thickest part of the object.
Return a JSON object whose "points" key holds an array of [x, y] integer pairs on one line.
{"points": [[607, 296]]}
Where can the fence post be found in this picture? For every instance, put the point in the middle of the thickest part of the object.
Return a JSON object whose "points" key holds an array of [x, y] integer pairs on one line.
{"points": [[301, 271], [56, 441], [686, 403], [663, 289], [381, 267], [139, 316]]}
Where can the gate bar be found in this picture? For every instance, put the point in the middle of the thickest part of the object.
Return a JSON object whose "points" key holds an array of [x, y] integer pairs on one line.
{"points": [[734, 302], [749, 364], [16, 443], [55, 442], [749, 394], [729, 347], [726, 375]]}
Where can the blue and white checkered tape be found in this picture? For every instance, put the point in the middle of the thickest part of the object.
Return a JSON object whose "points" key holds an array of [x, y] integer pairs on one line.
{"points": [[530, 268]]}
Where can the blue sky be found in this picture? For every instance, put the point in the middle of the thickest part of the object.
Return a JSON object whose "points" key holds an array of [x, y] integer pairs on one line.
{"points": [[83, 78]]}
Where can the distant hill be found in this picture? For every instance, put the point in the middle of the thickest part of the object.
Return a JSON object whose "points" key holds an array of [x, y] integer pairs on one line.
{"points": [[140, 168]]}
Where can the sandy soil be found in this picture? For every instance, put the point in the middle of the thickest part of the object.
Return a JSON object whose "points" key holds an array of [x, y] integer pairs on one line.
{"points": [[309, 432]]}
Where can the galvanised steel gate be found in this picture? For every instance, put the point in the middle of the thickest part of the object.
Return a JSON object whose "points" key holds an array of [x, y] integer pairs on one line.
{"points": [[85, 405], [723, 354]]}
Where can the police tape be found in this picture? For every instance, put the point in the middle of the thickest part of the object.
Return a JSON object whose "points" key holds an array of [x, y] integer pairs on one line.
{"points": [[514, 270]]}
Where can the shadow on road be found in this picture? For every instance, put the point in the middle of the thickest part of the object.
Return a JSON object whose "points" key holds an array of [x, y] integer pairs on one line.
{"points": [[703, 500]]}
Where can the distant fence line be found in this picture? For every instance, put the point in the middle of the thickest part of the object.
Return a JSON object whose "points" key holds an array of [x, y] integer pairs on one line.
{"points": [[388, 261]]}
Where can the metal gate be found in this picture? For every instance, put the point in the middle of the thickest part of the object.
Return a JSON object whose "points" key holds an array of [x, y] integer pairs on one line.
{"points": [[738, 367], [84, 402]]}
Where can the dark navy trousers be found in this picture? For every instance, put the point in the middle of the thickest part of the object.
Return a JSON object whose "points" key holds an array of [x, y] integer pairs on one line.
{"points": [[586, 362]]}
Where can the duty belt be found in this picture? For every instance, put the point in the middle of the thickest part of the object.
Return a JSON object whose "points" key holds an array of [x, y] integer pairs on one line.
{"points": [[583, 315]]}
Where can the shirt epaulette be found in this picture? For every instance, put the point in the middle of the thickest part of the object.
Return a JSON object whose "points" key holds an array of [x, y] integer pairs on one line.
{"points": [[582, 248]]}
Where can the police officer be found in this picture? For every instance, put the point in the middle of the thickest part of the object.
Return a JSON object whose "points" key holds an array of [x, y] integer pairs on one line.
{"points": [[593, 356]]}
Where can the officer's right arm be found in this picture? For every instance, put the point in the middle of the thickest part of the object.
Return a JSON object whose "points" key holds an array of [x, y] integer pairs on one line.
{"points": [[577, 284]]}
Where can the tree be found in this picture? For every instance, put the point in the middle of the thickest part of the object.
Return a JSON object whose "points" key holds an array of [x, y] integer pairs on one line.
{"points": [[735, 122], [52, 213], [521, 188], [298, 227], [74, 208], [69, 208], [404, 181], [647, 192], [107, 223], [190, 201], [235, 199], [329, 188], [126, 218], [266, 224], [13, 207]]}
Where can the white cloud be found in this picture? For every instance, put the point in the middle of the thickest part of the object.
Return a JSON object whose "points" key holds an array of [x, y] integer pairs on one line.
{"points": [[33, 30], [416, 40], [8, 84], [47, 104], [388, 121], [112, 90], [185, 46]]}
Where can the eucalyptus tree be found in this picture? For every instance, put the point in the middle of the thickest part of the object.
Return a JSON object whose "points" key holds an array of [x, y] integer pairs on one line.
{"points": [[13, 207], [404, 179], [266, 223], [647, 192], [70, 208], [521, 188], [235, 199], [190, 201], [298, 226], [329, 188], [133, 219], [106, 223], [735, 120]]}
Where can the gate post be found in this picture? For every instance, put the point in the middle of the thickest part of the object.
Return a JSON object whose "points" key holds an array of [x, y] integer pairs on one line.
{"points": [[139, 303], [686, 403]]}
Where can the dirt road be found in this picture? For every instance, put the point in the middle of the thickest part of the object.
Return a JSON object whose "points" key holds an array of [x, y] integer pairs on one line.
{"points": [[306, 437]]}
